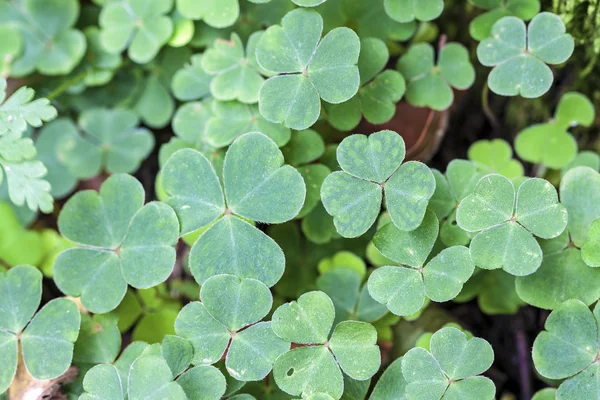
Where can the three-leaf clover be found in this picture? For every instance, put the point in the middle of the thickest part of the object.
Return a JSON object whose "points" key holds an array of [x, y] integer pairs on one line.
{"points": [[112, 141], [451, 369], [50, 43], [495, 157], [310, 68], [450, 189], [191, 82], [403, 289], [379, 92], [256, 186], [120, 241], [140, 26], [481, 26], [519, 54], [372, 166], [568, 349], [314, 367], [44, 340], [430, 85], [215, 13], [551, 144], [227, 320], [506, 222], [409, 10], [236, 74]]}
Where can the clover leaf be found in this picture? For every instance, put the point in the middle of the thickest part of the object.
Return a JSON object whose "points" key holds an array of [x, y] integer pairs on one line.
{"points": [[228, 62], [264, 190], [519, 54], [403, 289], [230, 120], [226, 320], [583, 159], [430, 85], [568, 349], [372, 166], [379, 91], [391, 385], [311, 69], [191, 82], [112, 141], [450, 189], [495, 157], [409, 10], [578, 188], [215, 13], [44, 340], [550, 143], [99, 340], [506, 222], [563, 275], [308, 3], [451, 369], [372, 20], [481, 26], [120, 242], [10, 48], [316, 368], [51, 45], [18, 111], [141, 27]]}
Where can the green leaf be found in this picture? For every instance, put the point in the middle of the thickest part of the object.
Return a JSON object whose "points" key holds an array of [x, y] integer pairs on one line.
{"points": [[309, 370], [304, 147], [450, 370], [99, 340], [119, 242], [112, 142], [373, 21], [538, 209], [102, 381], [547, 144], [235, 302], [562, 276], [374, 56], [25, 184], [234, 77], [215, 13], [11, 47], [230, 120], [203, 383], [208, 336], [430, 85], [150, 378], [137, 26], [323, 69], [590, 251], [354, 345], [574, 109], [481, 26], [391, 385], [569, 343], [409, 10], [308, 3], [373, 158], [253, 351], [191, 82], [20, 295], [50, 44], [19, 110], [400, 289], [177, 352], [518, 53], [379, 97], [47, 343], [314, 175], [306, 321], [495, 157], [193, 188], [264, 190], [578, 190]]}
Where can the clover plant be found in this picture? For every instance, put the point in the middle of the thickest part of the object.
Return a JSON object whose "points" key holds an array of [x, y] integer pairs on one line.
{"points": [[299, 199]]}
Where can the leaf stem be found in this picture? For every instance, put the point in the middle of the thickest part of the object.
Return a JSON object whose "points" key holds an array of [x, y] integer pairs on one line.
{"points": [[486, 106], [66, 85]]}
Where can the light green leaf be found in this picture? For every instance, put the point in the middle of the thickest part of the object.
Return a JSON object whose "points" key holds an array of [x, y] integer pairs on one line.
{"points": [[20, 295], [99, 340], [307, 320], [253, 351], [257, 184], [215, 13], [354, 345], [538, 209], [590, 251], [191, 82], [400, 289], [578, 190], [495, 157], [574, 109], [102, 382], [9, 352], [518, 53], [547, 144], [47, 343], [233, 246], [309, 370], [391, 385], [409, 10], [581, 385], [203, 383], [304, 147], [445, 275], [308, 3], [235, 302], [177, 352], [150, 378], [140, 27], [481, 26], [19, 110]]}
